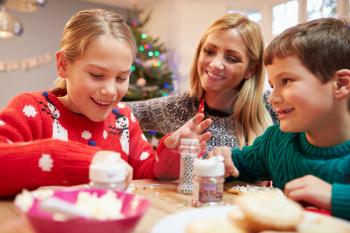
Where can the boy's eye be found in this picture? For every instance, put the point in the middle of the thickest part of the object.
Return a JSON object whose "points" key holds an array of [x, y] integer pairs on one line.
{"points": [[285, 81]]}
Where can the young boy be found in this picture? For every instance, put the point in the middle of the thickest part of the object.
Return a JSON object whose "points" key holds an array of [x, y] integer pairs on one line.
{"points": [[309, 71]]}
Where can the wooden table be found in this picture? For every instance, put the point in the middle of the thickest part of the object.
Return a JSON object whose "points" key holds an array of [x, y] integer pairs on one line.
{"points": [[163, 196]]}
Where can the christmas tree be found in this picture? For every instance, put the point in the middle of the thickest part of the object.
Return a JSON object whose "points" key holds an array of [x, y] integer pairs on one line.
{"points": [[151, 75]]}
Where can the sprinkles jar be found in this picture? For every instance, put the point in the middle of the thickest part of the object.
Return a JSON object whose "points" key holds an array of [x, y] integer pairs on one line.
{"points": [[189, 150], [208, 181]]}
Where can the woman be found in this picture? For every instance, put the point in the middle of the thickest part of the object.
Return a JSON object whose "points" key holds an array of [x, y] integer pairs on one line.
{"points": [[226, 84]]}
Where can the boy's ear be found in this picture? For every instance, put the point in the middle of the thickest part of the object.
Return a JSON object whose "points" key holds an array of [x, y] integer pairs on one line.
{"points": [[342, 78], [61, 64]]}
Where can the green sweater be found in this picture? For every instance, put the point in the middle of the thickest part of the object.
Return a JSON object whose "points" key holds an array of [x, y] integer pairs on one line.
{"points": [[282, 157]]}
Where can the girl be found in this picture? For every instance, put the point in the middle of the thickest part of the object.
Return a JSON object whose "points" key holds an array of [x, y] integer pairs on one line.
{"points": [[50, 138]]}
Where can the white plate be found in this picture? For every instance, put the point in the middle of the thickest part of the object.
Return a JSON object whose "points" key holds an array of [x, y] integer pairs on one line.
{"points": [[177, 223]]}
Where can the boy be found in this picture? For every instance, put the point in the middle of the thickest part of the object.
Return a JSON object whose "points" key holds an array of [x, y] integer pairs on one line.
{"points": [[309, 71]]}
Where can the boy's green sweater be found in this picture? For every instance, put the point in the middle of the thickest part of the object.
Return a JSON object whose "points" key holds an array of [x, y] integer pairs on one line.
{"points": [[282, 157]]}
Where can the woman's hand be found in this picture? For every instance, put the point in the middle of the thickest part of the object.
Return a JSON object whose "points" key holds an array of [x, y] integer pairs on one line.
{"points": [[310, 189], [224, 151], [194, 128]]}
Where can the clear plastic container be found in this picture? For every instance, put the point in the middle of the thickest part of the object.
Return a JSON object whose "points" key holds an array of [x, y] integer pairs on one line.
{"points": [[108, 173], [208, 182], [189, 150]]}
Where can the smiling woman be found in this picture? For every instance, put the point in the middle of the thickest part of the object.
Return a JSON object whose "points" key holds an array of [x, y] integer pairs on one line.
{"points": [[226, 84]]}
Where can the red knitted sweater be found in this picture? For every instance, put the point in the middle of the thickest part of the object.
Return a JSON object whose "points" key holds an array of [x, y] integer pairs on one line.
{"points": [[44, 143]]}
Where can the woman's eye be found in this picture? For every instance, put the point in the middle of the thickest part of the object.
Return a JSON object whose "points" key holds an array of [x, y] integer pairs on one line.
{"points": [[208, 51], [231, 59]]}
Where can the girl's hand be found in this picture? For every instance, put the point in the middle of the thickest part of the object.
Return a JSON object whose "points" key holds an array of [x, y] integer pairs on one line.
{"points": [[224, 151], [194, 128], [112, 157], [310, 189]]}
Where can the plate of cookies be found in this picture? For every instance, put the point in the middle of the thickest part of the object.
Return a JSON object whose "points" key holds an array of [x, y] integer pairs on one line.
{"points": [[252, 212]]}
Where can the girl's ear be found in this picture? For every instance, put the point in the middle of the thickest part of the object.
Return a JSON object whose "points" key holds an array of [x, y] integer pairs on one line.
{"points": [[342, 78], [61, 64]]}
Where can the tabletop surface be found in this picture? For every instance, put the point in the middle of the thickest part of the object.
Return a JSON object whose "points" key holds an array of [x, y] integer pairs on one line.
{"points": [[163, 196]]}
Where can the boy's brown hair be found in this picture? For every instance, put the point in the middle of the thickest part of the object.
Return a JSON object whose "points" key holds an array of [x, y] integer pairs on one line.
{"points": [[322, 46]]}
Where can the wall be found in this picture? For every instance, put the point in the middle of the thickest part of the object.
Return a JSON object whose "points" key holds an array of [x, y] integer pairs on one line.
{"points": [[180, 23], [185, 22], [42, 33]]}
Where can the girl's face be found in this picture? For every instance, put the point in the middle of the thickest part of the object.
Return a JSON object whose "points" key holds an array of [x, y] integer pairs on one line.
{"points": [[98, 80], [222, 62]]}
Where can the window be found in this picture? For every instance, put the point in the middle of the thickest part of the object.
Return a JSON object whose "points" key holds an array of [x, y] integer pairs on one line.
{"points": [[321, 8], [252, 15], [284, 16], [255, 16]]}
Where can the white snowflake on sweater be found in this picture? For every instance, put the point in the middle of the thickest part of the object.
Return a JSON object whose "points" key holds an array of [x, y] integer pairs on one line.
{"points": [[86, 135], [29, 111], [46, 162], [105, 134], [121, 105], [2, 123], [144, 155]]}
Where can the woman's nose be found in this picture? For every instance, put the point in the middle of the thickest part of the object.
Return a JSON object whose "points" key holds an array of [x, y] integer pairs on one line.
{"points": [[217, 63]]}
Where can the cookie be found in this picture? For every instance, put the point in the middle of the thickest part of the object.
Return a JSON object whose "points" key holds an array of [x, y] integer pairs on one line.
{"points": [[270, 211], [213, 226], [316, 223], [243, 189]]}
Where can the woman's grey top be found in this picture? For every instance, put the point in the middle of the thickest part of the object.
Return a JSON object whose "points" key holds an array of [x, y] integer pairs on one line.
{"points": [[167, 114]]}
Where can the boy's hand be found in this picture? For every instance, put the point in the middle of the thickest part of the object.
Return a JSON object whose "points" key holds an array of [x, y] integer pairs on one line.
{"points": [[310, 189], [224, 151], [194, 128]]}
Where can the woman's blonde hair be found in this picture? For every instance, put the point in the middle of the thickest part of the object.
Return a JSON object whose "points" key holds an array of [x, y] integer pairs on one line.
{"points": [[249, 112], [86, 26]]}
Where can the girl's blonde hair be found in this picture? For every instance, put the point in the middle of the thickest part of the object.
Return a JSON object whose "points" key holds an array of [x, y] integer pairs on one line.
{"points": [[86, 26], [250, 114]]}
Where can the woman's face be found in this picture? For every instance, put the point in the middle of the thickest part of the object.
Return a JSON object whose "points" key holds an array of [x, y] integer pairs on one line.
{"points": [[222, 62]]}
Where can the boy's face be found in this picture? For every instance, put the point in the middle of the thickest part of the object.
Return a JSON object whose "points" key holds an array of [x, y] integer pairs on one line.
{"points": [[98, 80], [303, 103]]}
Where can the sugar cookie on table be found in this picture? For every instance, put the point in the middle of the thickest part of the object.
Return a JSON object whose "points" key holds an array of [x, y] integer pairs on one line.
{"points": [[222, 225], [270, 211], [317, 223]]}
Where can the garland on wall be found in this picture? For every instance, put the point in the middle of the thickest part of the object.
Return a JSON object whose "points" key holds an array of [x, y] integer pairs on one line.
{"points": [[25, 64]]}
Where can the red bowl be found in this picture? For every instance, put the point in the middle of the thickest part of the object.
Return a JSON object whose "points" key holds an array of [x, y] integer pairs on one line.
{"points": [[133, 208]]}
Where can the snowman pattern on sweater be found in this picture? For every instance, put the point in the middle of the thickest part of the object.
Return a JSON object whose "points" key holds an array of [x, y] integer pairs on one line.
{"points": [[58, 131], [122, 126]]}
